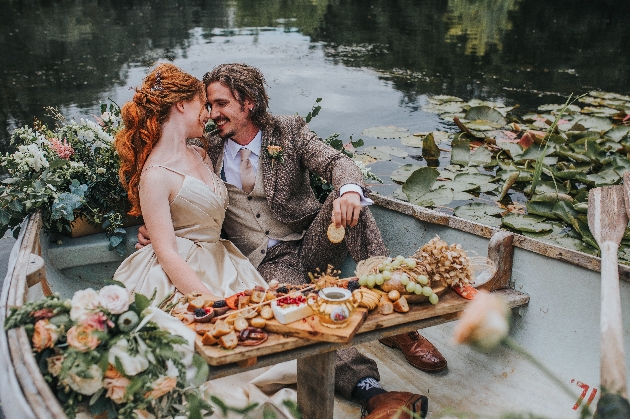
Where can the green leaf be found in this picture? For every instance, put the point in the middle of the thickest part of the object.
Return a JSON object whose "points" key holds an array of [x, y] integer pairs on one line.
{"points": [[481, 156], [528, 223], [460, 153], [401, 174], [420, 183], [202, 370], [386, 132], [430, 150], [142, 302], [480, 213], [485, 113]]}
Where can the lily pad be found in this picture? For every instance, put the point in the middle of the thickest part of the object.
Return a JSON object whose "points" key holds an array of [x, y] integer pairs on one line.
{"points": [[595, 123], [364, 158], [412, 141], [402, 173], [386, 132], [528, 223], [443, 108], [557, 107], [420, 183], [394, 151], [481, 156], [376, 154], [444, 98], [480, 213], [480, 125], [485, 113], [617, 133], [436, 198], [460, 152]]}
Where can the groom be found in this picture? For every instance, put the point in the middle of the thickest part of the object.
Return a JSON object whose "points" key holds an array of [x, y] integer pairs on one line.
{"points": [[275, 220]]}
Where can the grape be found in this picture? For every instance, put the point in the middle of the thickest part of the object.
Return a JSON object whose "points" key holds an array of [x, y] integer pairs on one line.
{"points": [[380, 267], [427, 291], [371, 281], [353, 285], [411, 263], [363, 280], [396, 263], [418, 289], [379, 280], [404, 279], [400, 258], [433, 298], [411, 287], [387, 275], [219, 304], [422, 279]]}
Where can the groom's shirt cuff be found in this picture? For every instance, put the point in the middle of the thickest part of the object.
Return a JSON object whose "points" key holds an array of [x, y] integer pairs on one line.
{"points": [[351, 187]]}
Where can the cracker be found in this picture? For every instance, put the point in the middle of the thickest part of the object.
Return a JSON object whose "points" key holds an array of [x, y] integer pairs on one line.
{"points": [[336, 235]]}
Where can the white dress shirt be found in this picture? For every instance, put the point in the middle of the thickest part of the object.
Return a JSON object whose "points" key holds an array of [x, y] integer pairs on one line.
{"points": [[232, 168]]}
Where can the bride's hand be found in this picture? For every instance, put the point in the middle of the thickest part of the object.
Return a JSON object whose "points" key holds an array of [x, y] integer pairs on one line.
{"points": [[143, 237]]}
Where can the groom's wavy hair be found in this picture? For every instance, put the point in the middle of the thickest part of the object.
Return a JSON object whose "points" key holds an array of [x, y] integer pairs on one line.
{"points": [[244, 82], [143, 118]]}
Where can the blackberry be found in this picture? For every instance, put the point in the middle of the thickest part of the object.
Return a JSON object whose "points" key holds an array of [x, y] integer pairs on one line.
{"points": [[200, 312], [353, 285], [219, 304], [283, 290]]}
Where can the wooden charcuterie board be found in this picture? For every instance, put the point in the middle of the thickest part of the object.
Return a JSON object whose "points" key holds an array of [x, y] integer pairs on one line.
{"points": [[311, 328]]}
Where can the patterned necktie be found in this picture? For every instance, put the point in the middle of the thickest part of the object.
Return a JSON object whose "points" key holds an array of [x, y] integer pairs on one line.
{"points": [[248, 178]]}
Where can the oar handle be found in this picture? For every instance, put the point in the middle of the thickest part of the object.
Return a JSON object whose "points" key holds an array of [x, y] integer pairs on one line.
{"points": [[613, 359]]}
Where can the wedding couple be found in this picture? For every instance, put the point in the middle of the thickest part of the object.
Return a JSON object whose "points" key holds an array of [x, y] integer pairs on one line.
{"points": [[276, 226]]}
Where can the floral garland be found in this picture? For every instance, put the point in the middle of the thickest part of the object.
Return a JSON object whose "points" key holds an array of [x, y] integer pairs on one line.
{"points": [[103, 348], [66, 173]]}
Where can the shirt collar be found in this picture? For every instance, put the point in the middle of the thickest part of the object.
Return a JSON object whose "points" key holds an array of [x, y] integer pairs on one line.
{"points": [[254, 146]]}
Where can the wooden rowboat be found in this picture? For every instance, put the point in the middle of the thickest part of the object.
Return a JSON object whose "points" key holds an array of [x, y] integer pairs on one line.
{"points": [[559, 325]]}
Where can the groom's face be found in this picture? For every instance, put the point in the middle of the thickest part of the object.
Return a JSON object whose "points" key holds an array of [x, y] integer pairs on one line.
{"points": [[232, 118]]}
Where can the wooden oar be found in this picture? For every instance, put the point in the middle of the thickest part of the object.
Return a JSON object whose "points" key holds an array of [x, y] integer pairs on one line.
{"points": [[607, 221]]}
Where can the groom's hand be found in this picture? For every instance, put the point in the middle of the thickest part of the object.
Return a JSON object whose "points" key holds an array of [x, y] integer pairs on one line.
{"points": [[143, 237], [346, 209]]}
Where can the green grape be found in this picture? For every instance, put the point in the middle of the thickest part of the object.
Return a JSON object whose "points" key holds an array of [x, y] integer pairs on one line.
{"points": [[427, 291], [411, 287], [380, 267], [418, 289], [379, 279], [363, 280], [371, 281], [387, 275], [404, 279], [433, 298], [400, 258], [422, 279], [410, 262], [396, 263]]}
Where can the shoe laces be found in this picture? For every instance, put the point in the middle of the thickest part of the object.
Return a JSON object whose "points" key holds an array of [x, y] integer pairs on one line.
{"points": [[364, 411]]}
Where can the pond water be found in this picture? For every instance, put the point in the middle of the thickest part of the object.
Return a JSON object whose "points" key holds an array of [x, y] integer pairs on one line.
{"points": [[373, 62]]}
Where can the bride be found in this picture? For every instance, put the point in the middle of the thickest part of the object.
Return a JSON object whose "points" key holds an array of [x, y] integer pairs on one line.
{"points": [[173, 186]]}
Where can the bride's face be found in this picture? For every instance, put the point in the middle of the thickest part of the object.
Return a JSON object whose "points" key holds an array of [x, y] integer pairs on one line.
{"points": [[197, 115]]}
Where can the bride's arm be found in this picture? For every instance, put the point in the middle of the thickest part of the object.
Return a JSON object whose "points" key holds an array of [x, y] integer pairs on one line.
{"points": [[156, 189]]}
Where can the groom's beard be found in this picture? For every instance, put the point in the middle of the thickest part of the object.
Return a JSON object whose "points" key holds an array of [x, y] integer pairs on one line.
{"points": [[222, 133]]}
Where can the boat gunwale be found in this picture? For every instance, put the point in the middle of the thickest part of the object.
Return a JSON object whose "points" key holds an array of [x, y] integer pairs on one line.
{"points": [[531, 244]]}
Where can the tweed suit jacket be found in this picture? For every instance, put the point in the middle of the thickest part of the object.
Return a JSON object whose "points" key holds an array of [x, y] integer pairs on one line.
{"points": [[287, 182]]}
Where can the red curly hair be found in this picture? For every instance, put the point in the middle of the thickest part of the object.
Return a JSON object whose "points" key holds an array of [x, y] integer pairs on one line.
{"points": [[143, 118]]}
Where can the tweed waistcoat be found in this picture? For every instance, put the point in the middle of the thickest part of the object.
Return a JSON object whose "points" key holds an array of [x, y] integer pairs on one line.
{"points": [[250, 224]]}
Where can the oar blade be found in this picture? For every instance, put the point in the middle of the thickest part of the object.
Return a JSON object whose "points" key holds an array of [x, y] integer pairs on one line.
{"points": [[607, 217]]}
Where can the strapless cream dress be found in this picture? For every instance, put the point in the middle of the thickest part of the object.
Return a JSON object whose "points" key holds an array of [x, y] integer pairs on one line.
{"points": [[197, 213]]}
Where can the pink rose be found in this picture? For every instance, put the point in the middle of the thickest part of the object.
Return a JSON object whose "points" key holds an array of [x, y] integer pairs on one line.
{"points": [[115, 299], [484, 322], [84, 303], [82, 338], [98, 321], [116, 388]]}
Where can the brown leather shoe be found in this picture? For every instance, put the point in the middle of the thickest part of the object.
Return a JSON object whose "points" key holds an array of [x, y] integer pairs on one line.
{"points": [[418, 351], [397, 405]]}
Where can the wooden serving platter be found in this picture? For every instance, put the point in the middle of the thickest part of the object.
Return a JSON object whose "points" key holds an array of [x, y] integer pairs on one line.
{"points": [[311, 328]]}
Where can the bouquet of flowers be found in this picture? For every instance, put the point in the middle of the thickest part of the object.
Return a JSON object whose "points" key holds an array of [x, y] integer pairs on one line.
{"points": [[118, 355], [67, 172]]}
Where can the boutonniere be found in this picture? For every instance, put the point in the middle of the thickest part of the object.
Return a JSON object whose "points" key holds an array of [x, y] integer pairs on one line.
{"points": [[274, 152]]}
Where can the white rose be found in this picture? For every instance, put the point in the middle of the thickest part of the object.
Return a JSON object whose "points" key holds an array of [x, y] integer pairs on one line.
{"points": [[87, 386], [84, 302], [131, 364], [114, 298]]}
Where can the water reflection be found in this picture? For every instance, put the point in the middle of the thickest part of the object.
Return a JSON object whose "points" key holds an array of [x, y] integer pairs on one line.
{"points": [[73, 54], [483, 23]]}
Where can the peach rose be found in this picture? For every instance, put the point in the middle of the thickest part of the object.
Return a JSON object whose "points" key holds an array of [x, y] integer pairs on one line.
{"points": [[45, 335], [116, 388], [484, 323], [82, 338], [161, 386], [54, 364], [112, 372]]}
